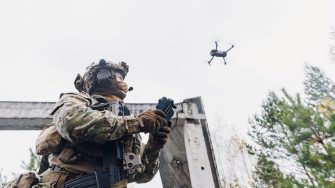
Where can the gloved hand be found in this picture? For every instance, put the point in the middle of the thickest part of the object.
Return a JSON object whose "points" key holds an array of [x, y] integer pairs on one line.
{"points": [[158, 140], [151, 121], [162, 135]]}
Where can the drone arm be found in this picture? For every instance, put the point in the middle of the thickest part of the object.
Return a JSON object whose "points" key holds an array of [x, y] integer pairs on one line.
{"points": [[230, 48], [209, 62]]}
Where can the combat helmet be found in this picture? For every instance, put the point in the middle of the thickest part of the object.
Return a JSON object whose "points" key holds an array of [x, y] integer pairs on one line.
{"points": [[104, 77]]}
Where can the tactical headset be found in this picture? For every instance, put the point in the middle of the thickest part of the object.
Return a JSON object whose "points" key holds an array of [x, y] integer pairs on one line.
{"points": [[100, 77]]}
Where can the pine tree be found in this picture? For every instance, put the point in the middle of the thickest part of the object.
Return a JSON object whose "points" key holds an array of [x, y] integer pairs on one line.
{"points": [[297, 137], [317, 85]]}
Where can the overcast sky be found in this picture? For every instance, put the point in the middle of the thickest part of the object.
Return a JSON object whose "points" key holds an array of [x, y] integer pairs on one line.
{"points": [[44, 44]]}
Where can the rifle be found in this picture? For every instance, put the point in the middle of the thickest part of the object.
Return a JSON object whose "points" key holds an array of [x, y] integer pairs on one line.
{"points": [[117, 165], [113, 167]]}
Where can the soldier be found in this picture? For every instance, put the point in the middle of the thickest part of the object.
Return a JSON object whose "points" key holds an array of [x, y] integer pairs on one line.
{"points": [[94, 141]]}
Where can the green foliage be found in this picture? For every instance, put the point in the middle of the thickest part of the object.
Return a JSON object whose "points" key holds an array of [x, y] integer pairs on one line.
{"points": [[269, 174], [300, 134], [317, 85], [32, 165], [34, 162]]}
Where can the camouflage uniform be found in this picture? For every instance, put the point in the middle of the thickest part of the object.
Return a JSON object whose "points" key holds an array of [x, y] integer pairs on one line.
{"points": [[84, 131]]}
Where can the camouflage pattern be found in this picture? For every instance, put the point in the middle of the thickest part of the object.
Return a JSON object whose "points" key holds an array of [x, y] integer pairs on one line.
{"points": [[86, 130], [75, 139], [48, 141], [86, 82], [77, 122], [121, 67], [25, 180]]}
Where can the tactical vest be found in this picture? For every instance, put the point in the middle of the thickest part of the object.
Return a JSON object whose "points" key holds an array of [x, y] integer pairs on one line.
{"points": [[121, 159]]}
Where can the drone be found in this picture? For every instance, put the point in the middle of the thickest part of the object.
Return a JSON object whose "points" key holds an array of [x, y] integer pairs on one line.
{"points": [[216, 53]]}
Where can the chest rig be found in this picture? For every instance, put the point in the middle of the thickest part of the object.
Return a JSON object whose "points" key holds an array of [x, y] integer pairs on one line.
{"points": [[121, 158]]}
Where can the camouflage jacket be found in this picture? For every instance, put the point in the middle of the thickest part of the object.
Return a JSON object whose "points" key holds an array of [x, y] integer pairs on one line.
{"points": [[86, 130]]}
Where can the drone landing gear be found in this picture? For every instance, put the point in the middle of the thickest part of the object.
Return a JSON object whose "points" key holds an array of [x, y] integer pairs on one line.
{"points": [[225, 63]]}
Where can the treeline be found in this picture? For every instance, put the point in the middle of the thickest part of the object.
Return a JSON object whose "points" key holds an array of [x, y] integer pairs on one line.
{"points": [[293, 136]]}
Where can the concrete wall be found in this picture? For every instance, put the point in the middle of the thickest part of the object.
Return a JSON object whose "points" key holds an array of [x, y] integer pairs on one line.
{"points": [[189, 158]]}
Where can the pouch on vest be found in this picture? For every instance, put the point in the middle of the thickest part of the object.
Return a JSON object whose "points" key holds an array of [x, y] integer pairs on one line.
{"points": [[49, 141], [24, 181], [68, 155]]}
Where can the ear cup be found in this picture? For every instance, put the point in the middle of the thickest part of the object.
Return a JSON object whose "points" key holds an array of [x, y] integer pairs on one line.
{"points": [[79, 83]]}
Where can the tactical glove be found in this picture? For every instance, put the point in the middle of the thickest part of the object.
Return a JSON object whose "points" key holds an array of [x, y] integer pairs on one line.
{"points": [[158, 140], [151, 120]]}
